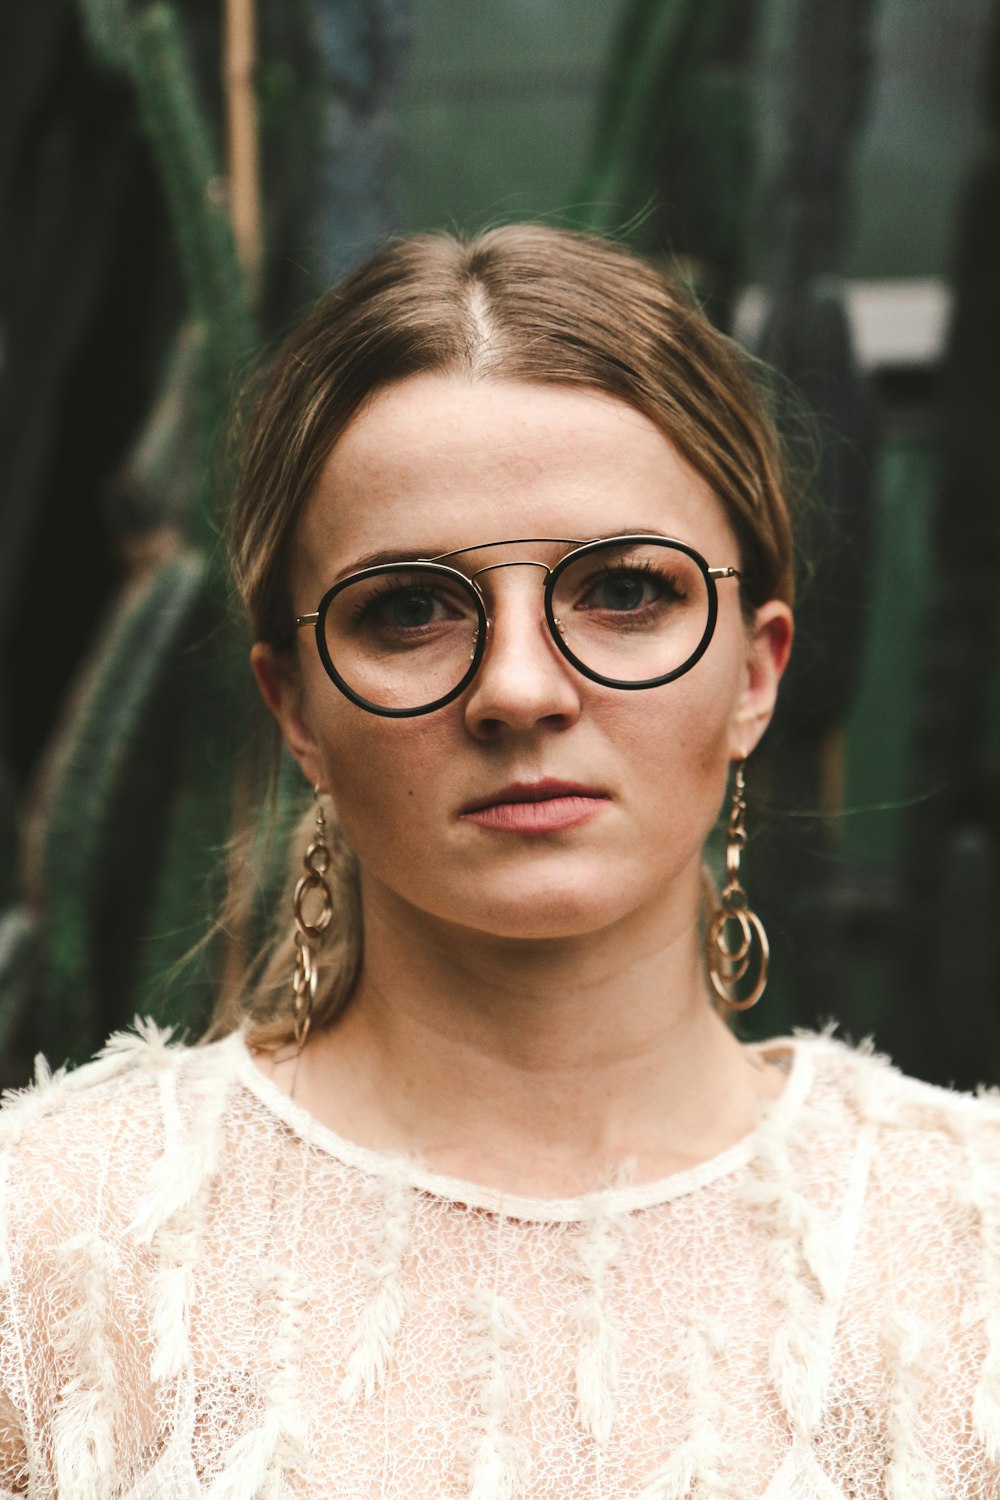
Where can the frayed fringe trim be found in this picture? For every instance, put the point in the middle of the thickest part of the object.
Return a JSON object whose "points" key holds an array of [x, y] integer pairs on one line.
{"points": [[808, 1273], [371, 1351], [498, 1465], [598, 1360], [171, 1216], [124, 1050], [677, 1477], [83, 1446], [700, 1459], [190, 1156], [907, 1340], [250, 1465], [21, 1108], [284, 1386], [257, 1461]]}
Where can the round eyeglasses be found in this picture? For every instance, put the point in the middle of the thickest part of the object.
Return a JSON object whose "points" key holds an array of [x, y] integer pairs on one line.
{"points": [[404, 638]]}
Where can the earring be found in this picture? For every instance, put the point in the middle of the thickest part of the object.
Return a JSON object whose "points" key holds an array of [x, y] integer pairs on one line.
{"points": [[304, 976], [729, 964]]}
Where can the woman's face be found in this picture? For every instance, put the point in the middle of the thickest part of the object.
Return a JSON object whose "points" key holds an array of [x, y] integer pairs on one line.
{"points": [[437, 463]]}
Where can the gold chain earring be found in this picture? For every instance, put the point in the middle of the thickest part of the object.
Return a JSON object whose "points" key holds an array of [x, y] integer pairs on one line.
{"points": [[307, 933], [729, 964]]}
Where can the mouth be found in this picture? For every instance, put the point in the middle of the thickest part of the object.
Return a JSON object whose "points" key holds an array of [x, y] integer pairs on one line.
{"points": [[536, 806]]}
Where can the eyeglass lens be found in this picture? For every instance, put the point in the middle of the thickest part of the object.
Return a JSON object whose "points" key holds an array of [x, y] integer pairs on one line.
{"points": [[629, 612]]}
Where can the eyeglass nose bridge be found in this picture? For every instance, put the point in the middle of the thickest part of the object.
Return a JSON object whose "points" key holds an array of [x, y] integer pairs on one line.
{"points": [[523, 562]]}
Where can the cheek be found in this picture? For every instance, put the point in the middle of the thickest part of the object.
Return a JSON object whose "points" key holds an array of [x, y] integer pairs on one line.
{"points": [[381, 774], [682, 728], [675, 754]]}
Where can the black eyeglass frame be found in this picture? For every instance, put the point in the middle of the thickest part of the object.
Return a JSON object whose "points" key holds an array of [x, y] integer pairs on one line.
{"points": [[317, 617]]}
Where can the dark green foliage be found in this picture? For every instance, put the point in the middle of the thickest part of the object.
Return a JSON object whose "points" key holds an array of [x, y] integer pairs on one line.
{"points": [[952, 855], [195, 193], [129, 847], [61, 187], [674, 141], [102, 813], [149, 745], [149, 47]]}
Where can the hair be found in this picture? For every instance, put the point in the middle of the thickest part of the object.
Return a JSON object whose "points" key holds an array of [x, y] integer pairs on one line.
{"points": [[521, 302]]}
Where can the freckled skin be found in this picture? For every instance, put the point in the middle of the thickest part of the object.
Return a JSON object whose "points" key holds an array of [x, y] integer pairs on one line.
{"points": [[440, 462]]}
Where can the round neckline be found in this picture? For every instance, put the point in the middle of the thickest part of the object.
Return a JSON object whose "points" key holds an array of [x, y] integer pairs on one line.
{"points": [[466, 1194]]}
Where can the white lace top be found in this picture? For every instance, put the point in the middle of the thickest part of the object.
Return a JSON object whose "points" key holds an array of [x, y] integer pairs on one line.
{"points": [[207, 1295]]}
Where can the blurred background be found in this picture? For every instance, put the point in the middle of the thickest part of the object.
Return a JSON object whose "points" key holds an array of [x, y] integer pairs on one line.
{"points": [[179, 180]]}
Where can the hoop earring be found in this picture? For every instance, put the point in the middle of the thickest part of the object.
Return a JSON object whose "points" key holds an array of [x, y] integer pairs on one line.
{"points": [[729, 964], [304, 976]]}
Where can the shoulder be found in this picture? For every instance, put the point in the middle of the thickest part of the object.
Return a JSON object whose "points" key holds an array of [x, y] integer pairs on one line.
{"points": [[923, 1303], [931, 1150], [895, 1108], [85, 1140]]}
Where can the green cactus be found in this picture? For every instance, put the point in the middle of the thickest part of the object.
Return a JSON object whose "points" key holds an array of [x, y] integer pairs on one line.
{"points": [[138, 794], [659, 42], [129, 844], [677, 116], [108, 30], [120, 739]]}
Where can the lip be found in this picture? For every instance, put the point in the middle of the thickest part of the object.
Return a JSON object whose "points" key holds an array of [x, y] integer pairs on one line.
{"points": [[536, 806]]}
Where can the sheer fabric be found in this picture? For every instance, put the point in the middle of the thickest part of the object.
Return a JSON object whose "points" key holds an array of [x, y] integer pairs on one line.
{"points": [[205, 1293]]}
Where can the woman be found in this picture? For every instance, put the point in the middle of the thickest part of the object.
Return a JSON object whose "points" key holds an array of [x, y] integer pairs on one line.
{"points": [[493, 1203]]}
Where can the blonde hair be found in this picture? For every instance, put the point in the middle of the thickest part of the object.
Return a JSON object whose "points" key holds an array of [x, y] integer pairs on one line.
{"points": [[523, 302]]}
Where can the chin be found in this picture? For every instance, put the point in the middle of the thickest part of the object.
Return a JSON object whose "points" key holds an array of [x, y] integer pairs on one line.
{"points": [[547, 909]]}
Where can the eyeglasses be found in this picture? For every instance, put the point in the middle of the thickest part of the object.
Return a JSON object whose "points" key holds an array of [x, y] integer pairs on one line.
{"points": [[405, 638]]}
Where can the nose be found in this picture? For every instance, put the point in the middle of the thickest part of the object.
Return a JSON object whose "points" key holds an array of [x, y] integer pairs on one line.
{"points": [[522, 682]]}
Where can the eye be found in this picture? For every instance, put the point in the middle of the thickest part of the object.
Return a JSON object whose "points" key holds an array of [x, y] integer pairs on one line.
{"points": [[410, 607], [403, 606], [628, 587], [621, 591]]}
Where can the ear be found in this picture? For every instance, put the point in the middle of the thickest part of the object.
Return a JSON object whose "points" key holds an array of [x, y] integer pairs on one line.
{"points": [[769, 647], [281, 689]]}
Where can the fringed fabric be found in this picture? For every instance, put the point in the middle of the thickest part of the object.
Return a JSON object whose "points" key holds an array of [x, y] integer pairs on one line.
{"points": [[497, 1465], [807, 1278], [700, 1459], [83, 1442], [909, 1343], [371, 1350], [22, 1107], [598, 1360], [171, 1216], [799, 1386]]}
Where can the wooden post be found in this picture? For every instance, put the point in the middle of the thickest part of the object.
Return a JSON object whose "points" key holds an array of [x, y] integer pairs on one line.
{"points": [[244, 165]]}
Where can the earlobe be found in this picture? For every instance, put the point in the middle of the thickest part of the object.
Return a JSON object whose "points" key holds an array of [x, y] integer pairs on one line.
{"points": [[280, 689]]}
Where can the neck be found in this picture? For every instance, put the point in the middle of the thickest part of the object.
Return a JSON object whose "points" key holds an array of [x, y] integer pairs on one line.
{"points": [[538, 1067]]}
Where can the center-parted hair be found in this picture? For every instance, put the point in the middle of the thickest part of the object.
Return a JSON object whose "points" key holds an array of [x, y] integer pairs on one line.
{"points": [[524, 302]]}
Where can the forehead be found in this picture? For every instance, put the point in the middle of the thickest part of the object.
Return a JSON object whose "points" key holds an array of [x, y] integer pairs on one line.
{"points": [[439, 462]]}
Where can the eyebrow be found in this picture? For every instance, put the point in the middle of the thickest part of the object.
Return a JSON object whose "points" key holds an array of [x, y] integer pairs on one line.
{"points": [[396, 555]]}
